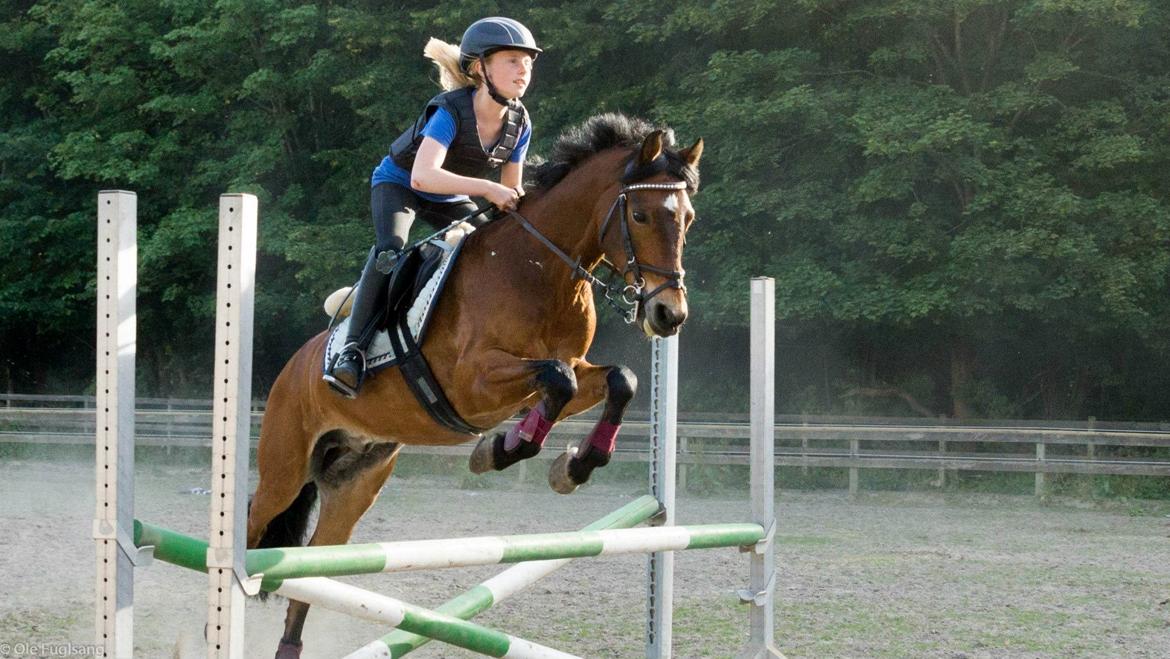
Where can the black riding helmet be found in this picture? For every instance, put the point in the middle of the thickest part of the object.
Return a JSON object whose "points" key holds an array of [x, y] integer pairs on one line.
{"points": [[487, 35]]}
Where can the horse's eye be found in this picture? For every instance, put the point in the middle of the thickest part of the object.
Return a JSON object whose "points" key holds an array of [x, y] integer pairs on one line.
{"points": [[639, 217]]}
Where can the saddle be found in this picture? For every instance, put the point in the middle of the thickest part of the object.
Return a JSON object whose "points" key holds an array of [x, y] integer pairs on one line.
{"points": [[411, 298]]}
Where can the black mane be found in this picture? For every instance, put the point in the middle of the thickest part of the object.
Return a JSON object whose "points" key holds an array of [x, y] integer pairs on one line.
{"points": [[598, 133]]}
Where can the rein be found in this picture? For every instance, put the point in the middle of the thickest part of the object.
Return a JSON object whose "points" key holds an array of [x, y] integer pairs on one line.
{"points": [[633, 295]]}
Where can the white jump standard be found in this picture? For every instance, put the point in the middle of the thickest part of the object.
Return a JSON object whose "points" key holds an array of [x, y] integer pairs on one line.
{"points": [[301, 572]]}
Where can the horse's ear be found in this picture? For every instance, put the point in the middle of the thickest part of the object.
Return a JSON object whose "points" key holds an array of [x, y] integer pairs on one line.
{"points": [[691, 156], [651, 148]]}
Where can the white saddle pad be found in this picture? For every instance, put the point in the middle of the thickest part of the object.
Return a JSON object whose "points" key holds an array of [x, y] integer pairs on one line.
{"points": [[380, 355]]}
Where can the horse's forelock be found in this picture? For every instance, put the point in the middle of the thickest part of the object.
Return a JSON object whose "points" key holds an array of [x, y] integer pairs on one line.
{"points": [[670, 162]]}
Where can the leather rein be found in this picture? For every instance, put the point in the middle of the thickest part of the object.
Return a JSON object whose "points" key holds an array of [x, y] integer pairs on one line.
{"points": [[633, 294]]}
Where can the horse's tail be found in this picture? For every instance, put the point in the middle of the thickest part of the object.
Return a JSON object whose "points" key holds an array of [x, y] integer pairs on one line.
{"points": [[288, 528]]}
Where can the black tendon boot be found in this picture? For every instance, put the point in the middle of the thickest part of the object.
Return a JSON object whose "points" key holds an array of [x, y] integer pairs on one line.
{"points": [[348, 370]]}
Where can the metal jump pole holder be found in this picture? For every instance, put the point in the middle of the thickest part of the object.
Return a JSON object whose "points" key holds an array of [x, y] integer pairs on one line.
{"points": [[664, 450]]}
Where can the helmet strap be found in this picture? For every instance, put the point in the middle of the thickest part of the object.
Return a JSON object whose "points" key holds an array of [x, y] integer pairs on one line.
{"points": [[491, 87]]}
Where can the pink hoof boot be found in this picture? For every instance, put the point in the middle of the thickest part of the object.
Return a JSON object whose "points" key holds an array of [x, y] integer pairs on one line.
{"points": [[522, 442]]}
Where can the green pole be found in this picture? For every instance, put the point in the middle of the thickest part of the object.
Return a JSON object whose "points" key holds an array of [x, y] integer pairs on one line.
{"points": [[480, 598]]}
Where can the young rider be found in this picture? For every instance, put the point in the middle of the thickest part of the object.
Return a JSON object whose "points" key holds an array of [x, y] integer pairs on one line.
{"points": [[477, 126]]}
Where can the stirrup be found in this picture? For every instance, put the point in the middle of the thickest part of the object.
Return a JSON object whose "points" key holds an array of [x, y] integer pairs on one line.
{"points": [[339, 386]]}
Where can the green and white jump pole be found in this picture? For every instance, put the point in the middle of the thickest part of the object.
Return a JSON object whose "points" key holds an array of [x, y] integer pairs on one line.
{"points": [[502, 586], [271, 567], [300, 572], [185, 551]]}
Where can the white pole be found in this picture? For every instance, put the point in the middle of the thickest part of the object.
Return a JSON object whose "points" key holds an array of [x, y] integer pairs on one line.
{"points": [[113, 529], [664, 438], [375, 607], [231, 424], [763, 410]]}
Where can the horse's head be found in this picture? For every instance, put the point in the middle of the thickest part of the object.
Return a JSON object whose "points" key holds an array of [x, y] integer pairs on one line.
{"points": [[645, 229]]}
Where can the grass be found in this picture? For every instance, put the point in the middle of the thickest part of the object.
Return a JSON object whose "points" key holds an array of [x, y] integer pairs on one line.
{"points": [[718, 625]]}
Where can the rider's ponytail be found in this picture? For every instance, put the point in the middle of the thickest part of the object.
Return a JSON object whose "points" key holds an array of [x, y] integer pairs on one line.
{"points": [[446, 59]]}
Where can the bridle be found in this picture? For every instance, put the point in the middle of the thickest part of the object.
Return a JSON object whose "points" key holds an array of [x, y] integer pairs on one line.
{"points": [[632, 294]]}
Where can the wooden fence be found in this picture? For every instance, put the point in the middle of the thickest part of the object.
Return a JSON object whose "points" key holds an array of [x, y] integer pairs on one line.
{"points": [[808, 442]]}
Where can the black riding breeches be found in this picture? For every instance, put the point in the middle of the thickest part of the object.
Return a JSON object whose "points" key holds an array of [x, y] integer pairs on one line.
{"points": [[394, 208]]}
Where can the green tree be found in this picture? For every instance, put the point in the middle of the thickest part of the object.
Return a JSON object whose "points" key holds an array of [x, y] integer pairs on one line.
{"points": [[960, 199], [975, 175]]}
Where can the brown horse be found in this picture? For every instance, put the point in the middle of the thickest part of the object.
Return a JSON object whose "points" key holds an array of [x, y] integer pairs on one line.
{"points": [[511, 332]]}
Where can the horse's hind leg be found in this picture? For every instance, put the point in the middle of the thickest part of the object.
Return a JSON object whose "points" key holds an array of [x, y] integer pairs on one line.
{"points": [[283, 463], [557, 384], [349, 485], [616, 384]]}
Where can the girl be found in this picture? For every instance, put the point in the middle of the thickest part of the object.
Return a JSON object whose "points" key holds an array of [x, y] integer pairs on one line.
{"points": [[476, 126]]}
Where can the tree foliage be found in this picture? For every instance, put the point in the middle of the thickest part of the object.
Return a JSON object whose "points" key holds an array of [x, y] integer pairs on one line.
{"points": [[961, 200]]}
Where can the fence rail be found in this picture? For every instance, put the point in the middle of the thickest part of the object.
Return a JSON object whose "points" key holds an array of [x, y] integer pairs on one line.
{"points": [[1074, 448]]}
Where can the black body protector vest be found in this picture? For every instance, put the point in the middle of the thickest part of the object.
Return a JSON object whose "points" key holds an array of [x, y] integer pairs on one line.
{"points": [[466, 156]]}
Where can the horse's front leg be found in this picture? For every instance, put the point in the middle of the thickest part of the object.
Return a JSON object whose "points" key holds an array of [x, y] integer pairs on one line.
{"points": [[616, 385], [556, 384]]}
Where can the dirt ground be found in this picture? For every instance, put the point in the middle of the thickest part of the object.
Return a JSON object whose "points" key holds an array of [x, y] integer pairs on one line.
{"points": [[883, 575]]}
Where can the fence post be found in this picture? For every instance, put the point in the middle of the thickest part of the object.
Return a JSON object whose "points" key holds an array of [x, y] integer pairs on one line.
{"points": [[942, 468], [522, 473], [682, 464], [170, 425], [1040, 484], [1091, 449], [853, 453], [804, 445]]}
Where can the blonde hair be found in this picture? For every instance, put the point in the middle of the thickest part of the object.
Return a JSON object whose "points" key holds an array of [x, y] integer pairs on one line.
{"points": [[446, 58]]}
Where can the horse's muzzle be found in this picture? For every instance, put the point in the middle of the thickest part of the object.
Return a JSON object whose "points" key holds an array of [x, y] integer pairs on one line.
{"points": [[664, 317]]}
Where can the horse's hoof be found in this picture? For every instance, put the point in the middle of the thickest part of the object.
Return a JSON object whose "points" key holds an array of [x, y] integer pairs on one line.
{"points": [[287, 650], [483, 457], [558, 474]]}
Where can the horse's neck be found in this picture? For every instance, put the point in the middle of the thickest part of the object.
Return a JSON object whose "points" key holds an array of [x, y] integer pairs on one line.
{"points": [[566, 215], [567, 226]]}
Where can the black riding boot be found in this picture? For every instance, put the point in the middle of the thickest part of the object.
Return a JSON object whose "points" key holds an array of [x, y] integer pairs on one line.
{"points": [[348, 370]]}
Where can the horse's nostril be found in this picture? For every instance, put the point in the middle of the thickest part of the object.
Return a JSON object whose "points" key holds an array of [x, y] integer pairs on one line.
{"points": [[666, 317]]}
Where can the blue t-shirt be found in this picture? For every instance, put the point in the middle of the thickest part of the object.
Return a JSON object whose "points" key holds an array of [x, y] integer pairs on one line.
{"points": [[441, 128]]}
